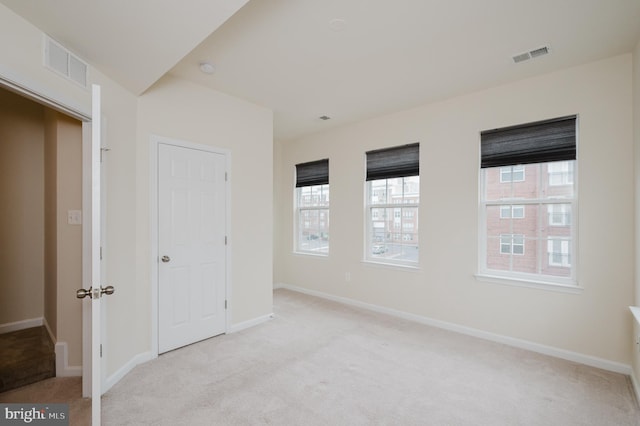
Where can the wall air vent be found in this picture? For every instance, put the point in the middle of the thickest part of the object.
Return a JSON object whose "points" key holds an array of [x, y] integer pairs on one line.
{"points": [[59, 59], [531, 54]]}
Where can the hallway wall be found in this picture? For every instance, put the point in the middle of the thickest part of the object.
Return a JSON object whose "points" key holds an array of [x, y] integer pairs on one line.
{"points": [[21, 209]]}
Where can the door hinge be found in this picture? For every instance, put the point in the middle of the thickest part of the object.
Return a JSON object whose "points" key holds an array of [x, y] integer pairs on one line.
{"points": [[225, 240], [102, 150], [225, 304], [226, 176], [100, 253], [100, 350]]}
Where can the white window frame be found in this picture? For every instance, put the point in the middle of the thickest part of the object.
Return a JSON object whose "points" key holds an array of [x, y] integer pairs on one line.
{"points": [[297, 222], [393, 227], [539, 280]]}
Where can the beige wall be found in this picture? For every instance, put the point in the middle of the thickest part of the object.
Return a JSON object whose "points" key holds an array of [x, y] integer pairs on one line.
{"points": [[21, 61], [180, 110], [21, 209], [171, 109], [595, 322], [68, 237], [636, 126], [51, 222]]}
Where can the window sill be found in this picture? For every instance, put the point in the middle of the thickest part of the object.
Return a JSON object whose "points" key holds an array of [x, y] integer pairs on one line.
{"points": [[398, 266], [541, 285], [314, 255]]}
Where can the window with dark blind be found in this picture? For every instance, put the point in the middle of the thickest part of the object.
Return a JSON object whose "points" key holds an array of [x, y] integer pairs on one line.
{"points": [[312, 173], [393, 198], [312, 207], [532, 167]]}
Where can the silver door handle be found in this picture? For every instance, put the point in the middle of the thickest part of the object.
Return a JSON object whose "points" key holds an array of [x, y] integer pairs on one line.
{"points": [[82, 293], [107, 290], [165, 259], [91, 293]]}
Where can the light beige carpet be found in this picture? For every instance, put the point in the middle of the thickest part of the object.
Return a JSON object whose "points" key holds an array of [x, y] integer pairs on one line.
{"points": [[322, 363]]}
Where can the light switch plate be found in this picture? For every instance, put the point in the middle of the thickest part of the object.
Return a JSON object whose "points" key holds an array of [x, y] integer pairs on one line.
{"points": [[74, 217]]}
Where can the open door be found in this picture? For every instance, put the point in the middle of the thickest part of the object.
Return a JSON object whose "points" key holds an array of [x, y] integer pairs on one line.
{"points": [[92, 368]]}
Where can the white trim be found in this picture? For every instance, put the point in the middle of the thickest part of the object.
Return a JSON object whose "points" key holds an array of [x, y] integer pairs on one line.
{"points": [[45, 323], [63, 369], [36, 92], [154, 142], [506, 340], [529, 283], [249, 323], [635, 385], [126, 368], [21, 325]]}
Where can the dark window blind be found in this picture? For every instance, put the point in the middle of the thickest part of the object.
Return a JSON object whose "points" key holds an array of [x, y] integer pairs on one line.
{"points": [[399, 161], [312, 173], [538, 142]]}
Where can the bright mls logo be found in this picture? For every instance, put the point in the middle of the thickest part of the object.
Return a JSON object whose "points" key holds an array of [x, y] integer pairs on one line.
{"points": [[36, 414]]}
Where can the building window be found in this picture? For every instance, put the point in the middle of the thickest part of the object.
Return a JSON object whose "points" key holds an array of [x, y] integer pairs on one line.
{"points": [[511, 212], [559, 214], [544, 155], [512, 244], [560, 173], [512, 174], [312, 208], [393, 198], [559, 254]]}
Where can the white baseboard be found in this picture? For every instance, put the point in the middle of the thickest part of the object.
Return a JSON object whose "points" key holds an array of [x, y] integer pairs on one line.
{"points": [[636, 385], [148, 356], [63, 369], [125, 369], [21, 325], [250, 323], [506, 340]]}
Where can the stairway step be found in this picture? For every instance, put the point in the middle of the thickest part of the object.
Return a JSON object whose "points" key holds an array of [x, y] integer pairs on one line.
{"points": [[26, 356]]}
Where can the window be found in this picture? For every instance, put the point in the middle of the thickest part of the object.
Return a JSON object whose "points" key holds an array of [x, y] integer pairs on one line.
{"points": [[512, 244], [512, 174], [511, 212], [558, 252], [533, 165], [560, 173], [393, 197], [312, 207]]}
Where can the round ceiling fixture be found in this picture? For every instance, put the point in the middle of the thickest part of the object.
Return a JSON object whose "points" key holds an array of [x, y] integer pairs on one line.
{"points": [[337, 24], [207, 67]]}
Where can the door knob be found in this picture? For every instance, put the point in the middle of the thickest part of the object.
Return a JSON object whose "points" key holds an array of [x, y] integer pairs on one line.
{"points": [[82, 293], [165, 259], [107, 290]]}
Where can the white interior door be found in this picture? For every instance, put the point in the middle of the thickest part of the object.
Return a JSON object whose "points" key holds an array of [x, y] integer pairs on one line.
{"points": [[92, 366], [191, 245]]}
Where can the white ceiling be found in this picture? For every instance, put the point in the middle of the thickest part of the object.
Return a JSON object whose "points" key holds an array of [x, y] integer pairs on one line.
{"points": [[135, 42], [285, 55]]}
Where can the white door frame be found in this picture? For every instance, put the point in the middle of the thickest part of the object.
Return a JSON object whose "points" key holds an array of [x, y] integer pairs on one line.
{"points": [[35, 92], [155, 141]]}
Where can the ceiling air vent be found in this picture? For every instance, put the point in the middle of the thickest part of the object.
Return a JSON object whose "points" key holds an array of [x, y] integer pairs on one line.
{"points": [[65, 63], [531, 54]]}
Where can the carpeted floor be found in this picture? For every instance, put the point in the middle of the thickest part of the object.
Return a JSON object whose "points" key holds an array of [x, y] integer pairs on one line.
{"points": [[57, 390], [322, 363]]}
